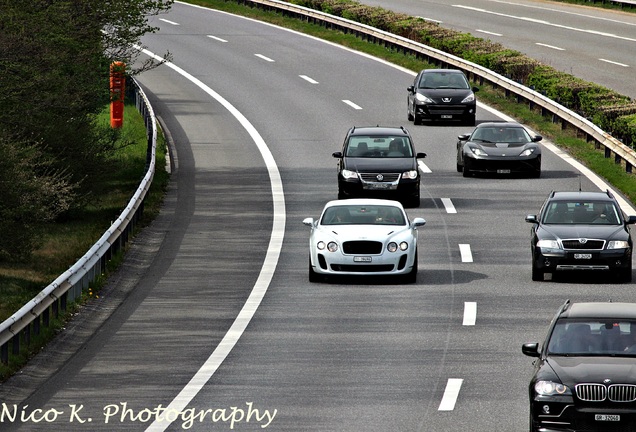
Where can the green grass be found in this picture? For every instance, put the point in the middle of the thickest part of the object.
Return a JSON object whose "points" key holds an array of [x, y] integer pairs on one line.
{"points": [[64, 243]]}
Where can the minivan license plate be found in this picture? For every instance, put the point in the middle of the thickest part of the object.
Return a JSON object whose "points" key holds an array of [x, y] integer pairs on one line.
{"points": [[361, 259], [582, 256], [607, 417]]}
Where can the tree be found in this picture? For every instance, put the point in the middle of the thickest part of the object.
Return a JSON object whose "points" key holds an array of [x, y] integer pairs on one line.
{"points": [[54, 63]]}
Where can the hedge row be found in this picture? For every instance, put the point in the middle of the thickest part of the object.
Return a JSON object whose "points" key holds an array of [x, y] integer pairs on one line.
{"points": [[611, 111]]}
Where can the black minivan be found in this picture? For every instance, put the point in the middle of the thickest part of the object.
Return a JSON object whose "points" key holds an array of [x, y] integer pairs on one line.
{"points": [[379, 161]]}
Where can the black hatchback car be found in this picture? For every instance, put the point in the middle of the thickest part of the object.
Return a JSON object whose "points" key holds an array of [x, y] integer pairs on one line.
{"points": [[585, 372], [381, 162], [581, 231], [441, 94]]}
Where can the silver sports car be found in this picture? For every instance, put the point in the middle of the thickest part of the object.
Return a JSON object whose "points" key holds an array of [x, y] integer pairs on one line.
{"points": [[363, 237]]}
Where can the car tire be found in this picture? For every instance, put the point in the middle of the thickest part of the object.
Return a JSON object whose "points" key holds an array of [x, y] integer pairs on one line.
{"points": [[409, 116], [313, 276], [411, 277], [537, 274], [460, 168], [417, 120], [625, 275], [466, 171]]}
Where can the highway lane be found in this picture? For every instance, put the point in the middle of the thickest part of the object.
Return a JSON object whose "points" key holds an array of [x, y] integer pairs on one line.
{"points": [[591, 43], [340, 356]]}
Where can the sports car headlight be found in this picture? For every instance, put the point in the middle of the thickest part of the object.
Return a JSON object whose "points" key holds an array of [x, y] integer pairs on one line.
{"points": [[320, 245], [469, 98], [412, 174], [618, 244], [349, 174], [404, 246], [477, 151], [527, 152], [552, 244], [332, 246], [421, 98], [392, 247], [550, 388]]}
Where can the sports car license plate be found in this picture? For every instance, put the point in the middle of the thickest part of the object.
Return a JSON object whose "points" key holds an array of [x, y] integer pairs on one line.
{"points": [[446, 116], [607, 417], [582, 256], [503, 171], [361, 259]]}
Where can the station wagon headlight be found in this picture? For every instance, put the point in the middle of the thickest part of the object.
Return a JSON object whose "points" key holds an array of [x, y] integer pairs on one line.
{"points": [[551, 244], [412, 174], [618, 244], [551, 388], [332, 246], [421, 98], [469, 98], [348, 174], [527, 152]]}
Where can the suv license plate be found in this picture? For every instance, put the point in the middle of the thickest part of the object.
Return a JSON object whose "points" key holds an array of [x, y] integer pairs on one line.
{"points": [[582, 256], [607, 417], [361, 259]]}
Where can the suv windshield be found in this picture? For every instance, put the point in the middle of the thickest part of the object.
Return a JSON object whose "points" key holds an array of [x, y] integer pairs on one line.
{"points": [[379, 147], [593, 337], [578, 212]]}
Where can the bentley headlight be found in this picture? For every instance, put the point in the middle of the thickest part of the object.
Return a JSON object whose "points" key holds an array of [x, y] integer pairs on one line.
{"points": [[551, 388], [478, 152], [392, 247], [469, 98], [404, 246], [348, 174], [412, 174], [320, 245], [527, 152], [551, 244], [617, 244], [421, 98], [332, 246]]}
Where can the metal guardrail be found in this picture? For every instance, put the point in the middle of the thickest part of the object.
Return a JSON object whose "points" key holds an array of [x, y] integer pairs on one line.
{"points": [[69, 285], [622, 153]]}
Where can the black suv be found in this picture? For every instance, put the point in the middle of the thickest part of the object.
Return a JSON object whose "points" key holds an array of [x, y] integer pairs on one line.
{"points": [[584, 374], [379, 161], [441, 94], [581, 231]]}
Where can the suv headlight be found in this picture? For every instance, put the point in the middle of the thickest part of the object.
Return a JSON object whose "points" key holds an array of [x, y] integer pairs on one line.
{"points": [[421, 98], [412, 174], [551, 244], [347, 174], [551, 388], [618, 244], [469, 98]]}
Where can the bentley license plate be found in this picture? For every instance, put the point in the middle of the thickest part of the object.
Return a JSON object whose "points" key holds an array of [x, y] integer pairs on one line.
{"points": [[361, 259], [607, 417], [446, 116], [582, 256]]}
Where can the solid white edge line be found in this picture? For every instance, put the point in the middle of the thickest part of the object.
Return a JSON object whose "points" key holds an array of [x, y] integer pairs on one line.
{"points": [[470, 313], [451, 393], [464, 250], [448, 205], [239, 325]]}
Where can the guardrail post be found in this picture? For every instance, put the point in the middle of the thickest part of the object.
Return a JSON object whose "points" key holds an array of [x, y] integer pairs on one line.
{"points": [[16, 344], [27, 334], [4, 353]]}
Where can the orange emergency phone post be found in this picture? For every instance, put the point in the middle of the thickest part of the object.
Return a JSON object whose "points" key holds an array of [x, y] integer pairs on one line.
{"points": [[117, 94]]}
